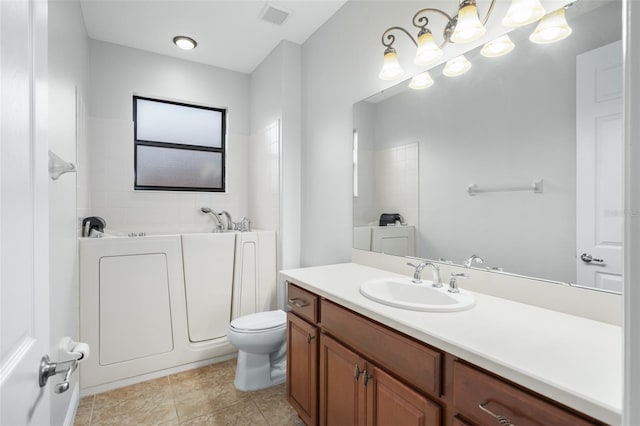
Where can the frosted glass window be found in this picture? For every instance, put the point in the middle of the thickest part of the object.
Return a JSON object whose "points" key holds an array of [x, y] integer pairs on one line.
{"points": [[181, 168], [180, 124], [178, 147]]}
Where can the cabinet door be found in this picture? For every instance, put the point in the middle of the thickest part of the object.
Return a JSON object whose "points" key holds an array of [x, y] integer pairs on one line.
{"points": [[390, 402], [342, 398], [302, 368]]}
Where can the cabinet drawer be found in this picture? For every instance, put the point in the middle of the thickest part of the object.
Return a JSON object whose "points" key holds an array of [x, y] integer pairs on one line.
{"points": [[473, 388], [407, 359], [302, 303]]}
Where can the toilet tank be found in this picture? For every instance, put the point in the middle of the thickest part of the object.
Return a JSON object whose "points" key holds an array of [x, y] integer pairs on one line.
{"points": [[254, 277]]}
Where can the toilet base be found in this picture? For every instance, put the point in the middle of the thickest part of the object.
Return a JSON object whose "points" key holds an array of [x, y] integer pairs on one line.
{"points": [[259, 371]]}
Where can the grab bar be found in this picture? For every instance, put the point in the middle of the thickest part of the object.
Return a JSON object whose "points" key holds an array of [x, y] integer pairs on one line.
{"points": [[535, 187]]}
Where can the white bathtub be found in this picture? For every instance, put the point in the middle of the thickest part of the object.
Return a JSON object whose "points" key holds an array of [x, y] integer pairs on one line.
{"points": [[153, 304]]}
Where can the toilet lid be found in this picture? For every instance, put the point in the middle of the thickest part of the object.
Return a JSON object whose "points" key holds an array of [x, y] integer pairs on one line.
{"points": [[260, 321]]}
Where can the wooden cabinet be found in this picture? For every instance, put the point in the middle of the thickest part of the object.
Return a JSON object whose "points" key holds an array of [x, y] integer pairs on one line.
{"points": [[477, 395], [346, 369], [391, 402], [302, 368], [353, 391], [342, 399], [302, 353]]}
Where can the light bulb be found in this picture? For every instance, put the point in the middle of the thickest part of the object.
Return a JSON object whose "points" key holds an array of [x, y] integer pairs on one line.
{"points": [[184, 42], [428, 51], [421, 81], [456, 66], [523, 12], [498, 47], [391, 69], [551, 28], [469, 27]]}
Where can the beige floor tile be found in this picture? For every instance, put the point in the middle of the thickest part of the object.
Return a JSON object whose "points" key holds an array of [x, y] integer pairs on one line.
{"points": [[243, 413], [272, 403], [83, 413], [203, 396], [207, 400], [151, 389], [136, 411]]}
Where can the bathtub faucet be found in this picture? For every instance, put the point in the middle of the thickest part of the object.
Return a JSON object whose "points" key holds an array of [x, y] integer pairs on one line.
{"points": [[219, 227], [227, 217]]}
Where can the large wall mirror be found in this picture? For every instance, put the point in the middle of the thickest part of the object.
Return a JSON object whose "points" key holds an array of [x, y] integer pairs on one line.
{"points": [[519, 161]]}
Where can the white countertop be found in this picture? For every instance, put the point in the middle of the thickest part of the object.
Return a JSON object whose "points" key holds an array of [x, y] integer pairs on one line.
{"points": [[573, 360]]}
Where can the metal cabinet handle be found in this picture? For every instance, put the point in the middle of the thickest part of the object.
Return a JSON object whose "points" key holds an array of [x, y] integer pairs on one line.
{"points": [[366, 377], [587, 258], [501, 419], [310, 338], [298, 302], [356, 372]]}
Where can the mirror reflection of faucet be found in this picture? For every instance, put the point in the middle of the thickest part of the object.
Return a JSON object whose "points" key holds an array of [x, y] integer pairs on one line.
{"points": [[474, 257]]}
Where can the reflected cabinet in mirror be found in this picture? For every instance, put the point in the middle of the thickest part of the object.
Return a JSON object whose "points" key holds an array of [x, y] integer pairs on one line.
{"points": [[519, 161]]}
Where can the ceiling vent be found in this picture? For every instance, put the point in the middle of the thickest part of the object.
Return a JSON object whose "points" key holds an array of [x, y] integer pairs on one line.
{"points": [[274, 15]]}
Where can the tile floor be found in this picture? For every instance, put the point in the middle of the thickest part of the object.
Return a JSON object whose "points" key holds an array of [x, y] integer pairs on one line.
{"points": [[204, 396]]}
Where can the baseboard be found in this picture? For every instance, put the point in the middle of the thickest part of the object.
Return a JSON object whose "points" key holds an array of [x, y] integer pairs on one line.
{"points": [[73, 406]]}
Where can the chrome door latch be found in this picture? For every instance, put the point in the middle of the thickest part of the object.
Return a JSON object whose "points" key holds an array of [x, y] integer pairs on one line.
{"points": [[587, 258], [48, 369]]}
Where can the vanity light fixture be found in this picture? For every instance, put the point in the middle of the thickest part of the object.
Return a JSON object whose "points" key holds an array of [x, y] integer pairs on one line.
{"points": [[553, 27], [523, 12], [184, 42], [465, 27], [456, 66], [421, 81], [391, 69], [498, 47]]}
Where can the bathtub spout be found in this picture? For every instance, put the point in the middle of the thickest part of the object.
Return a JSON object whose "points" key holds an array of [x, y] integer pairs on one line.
{"points": [[219, 227], [228, 220]]}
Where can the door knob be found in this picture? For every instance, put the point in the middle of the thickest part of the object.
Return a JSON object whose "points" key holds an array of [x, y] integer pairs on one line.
{"points": [[587, 258]]}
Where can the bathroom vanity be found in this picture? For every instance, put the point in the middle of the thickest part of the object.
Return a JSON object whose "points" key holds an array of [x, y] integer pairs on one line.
{"points": [[354, 361]]}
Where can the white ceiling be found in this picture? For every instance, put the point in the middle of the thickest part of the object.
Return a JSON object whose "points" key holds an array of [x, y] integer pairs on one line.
{"points": [[229, 32]]}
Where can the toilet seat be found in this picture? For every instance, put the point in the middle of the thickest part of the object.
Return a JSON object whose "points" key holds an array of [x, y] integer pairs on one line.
{"points": [[260, 322]]}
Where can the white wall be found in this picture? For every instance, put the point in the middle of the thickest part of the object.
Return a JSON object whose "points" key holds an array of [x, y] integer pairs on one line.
{"points": [[276, 96], [340, 63], [116, 73], [68, 55]]}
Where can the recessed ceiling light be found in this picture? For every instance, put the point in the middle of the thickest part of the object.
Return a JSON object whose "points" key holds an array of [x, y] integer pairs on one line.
{"points": [[184, 42]]}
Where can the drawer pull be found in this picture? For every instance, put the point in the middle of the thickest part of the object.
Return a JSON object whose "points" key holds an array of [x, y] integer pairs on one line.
{"points": [[501, 419], [298, 302]]}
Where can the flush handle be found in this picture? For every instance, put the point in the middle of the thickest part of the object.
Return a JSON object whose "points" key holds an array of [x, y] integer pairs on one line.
{"points": [[587, 258]]}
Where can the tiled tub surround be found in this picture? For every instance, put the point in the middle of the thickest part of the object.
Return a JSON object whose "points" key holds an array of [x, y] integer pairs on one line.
{"points": [[203, 396], [570, 359]]}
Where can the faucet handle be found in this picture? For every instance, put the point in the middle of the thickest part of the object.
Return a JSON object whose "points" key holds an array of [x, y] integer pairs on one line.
{"points": [[453, 282]]}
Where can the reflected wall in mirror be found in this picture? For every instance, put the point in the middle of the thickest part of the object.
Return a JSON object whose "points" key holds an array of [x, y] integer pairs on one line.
{"points": [[544, 112]]}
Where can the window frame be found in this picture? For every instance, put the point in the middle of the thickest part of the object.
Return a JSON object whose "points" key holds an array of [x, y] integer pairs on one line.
{"points": [[139, 142]]}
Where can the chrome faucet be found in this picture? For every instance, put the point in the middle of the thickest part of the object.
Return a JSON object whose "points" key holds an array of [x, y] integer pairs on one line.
{"points": [[453, 282], [437, 282], [227, 217], [469, 261], [219, 227]]}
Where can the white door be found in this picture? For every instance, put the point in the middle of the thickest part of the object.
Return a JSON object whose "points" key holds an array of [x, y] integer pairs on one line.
{"points": [[24, 287], [600, 167]]}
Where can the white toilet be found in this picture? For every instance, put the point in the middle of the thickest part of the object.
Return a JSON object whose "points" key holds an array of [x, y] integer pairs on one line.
{"points": [[261, 342]]}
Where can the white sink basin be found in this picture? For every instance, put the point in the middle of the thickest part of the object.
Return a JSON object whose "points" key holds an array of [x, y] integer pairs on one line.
{"points": [[402, 293]]}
